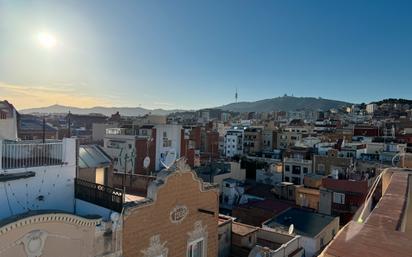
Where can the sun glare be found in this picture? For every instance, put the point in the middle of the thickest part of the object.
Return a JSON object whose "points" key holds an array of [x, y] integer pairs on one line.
{"points": [[46, 40]]}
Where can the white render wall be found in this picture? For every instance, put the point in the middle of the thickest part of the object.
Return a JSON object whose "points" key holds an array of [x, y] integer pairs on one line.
{"points": [[232, 141], [54, 183], [173, 133], [8, 128], [118, 147]]}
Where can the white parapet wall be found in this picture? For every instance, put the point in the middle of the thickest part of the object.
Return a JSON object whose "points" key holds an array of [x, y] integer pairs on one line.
{"points": [[37, 187]]}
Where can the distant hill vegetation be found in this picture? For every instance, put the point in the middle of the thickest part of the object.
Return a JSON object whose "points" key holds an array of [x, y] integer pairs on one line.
{"points": [[285, 103], [107, 111], [394, 101]]}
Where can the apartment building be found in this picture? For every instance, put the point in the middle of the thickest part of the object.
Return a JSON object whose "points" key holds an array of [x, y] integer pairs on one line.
{"points": [[253, 140], [269, 138], [234, 142], [342, 197], [291, 134], [297, 164], [331, 163]]}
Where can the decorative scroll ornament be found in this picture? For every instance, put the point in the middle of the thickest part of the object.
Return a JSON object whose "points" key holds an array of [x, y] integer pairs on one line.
{"points": [[178, 214], [156, 248], [34, 242]]}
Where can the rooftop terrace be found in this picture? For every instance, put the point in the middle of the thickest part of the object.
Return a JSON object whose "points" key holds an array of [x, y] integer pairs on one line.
{"points": [[385, 230]]}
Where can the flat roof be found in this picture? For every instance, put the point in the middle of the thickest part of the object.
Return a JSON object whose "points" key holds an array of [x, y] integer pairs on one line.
{"points": [[242, 229], [305, 223]]}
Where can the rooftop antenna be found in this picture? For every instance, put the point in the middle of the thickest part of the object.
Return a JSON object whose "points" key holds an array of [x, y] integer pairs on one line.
{"points": [[69, 132], [236, 96], [44, 129]]}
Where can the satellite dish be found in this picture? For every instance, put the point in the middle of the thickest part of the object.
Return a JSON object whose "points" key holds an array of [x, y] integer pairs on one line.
{"points": [[114, 216], [169, 159], [146, 162], [291, 228]]}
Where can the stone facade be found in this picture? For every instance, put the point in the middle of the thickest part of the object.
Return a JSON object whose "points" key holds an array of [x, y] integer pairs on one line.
{"points": [[179, 210]]}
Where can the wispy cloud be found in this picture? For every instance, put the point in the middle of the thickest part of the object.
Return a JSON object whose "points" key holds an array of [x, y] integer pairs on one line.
{"points": [[39, 96]]}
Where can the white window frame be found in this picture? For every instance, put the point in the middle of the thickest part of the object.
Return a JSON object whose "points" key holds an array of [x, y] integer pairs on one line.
{"points": [[194, 242], [338, 198]]}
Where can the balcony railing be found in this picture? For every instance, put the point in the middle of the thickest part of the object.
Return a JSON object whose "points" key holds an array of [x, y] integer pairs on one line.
{"points": [[100, 195], [24, 154], [296, 160]]}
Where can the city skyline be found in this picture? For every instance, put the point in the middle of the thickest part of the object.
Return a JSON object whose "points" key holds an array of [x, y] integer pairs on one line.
{"points": [[195, 55]]}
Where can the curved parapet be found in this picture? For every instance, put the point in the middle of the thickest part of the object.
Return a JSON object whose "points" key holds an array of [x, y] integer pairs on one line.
{"points": [[48, 234]]}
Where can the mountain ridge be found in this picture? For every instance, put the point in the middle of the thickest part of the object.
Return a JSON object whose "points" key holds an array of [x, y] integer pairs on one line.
{"points": [[107, 111], [284, 103]]}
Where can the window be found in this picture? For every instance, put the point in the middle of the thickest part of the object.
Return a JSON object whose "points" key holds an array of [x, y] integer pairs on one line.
{"points": [[164, 134], [296, 181], [167, 143], [195, 249], [321, 168], [321, 242], [305, 170], [338, 198], [287, 168], [296, 169]]}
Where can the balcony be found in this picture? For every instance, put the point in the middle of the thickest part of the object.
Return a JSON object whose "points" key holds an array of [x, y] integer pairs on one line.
{"points": [[24, 154], [100, 195], [296, 160]]}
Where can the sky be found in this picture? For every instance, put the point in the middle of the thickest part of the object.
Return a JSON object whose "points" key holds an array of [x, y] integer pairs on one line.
{"points": [[186, 54]]}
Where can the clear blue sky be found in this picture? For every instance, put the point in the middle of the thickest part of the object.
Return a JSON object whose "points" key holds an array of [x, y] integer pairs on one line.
{"points": [[194, 54]]}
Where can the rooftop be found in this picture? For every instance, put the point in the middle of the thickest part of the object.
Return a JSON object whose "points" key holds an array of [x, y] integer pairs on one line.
{"points": [[276, 206], [33, 123], [243, 229], [92, 156], [386, 231], [305, 223]]}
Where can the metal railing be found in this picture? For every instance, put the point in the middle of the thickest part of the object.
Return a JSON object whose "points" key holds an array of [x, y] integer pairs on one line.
{"points": [[98, 194], [296, 160], [24, 154]]}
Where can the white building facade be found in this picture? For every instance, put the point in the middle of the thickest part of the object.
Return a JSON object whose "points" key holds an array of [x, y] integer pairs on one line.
{"points": [[233, 142], [168, 142]]}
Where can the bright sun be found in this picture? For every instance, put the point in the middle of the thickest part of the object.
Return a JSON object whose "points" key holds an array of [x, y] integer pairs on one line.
{"points": [[46, 40]]}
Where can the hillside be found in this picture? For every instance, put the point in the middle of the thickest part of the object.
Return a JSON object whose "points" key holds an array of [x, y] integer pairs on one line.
{"points": [[125, 111], [285, 103]]}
